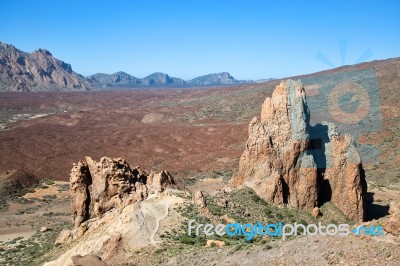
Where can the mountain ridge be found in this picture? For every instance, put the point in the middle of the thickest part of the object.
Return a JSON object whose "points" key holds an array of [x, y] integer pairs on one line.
{"points": [[162, 79], [41, 71], [37, 71]]}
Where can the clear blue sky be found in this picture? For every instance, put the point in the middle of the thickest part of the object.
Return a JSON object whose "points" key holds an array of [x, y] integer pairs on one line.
{"points": [[249, 39]]}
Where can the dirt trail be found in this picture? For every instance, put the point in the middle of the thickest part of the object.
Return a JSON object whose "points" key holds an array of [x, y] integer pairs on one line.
{"points": [[152, 241], [138, 225], [154, 213]]}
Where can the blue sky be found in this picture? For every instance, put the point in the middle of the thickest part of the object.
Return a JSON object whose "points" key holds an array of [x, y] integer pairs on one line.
{"points": [[249, 39]]}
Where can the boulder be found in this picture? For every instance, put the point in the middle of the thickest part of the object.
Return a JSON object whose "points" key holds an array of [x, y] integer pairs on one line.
{"points": [[111, 244], [63, 237], [392, 224], [316, 212], [44, 229], [199, 199], [215, 243], [158, 181], [88, 260]]}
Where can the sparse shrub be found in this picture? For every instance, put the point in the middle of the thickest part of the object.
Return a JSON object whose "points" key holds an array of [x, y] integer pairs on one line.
{"points": [[48, 181], [237, 248], [267, 247], [63, 188], [255, 198], [160, 250], [185, 239]]}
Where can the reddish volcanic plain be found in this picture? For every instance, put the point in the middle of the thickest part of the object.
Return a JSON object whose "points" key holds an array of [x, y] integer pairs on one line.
{"points": [[197, 132], [175, 130]]}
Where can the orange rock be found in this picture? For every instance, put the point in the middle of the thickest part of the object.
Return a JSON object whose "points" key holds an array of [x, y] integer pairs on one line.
{"points": [[284, 153], [392, 225], [217, 243], [97, 187], [316, 212]]}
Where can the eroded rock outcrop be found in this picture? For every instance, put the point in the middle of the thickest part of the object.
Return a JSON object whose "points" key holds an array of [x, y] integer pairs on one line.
{"points": [[116, 235], [97, 187], [199, 199], [289, 162], [392, 225]]}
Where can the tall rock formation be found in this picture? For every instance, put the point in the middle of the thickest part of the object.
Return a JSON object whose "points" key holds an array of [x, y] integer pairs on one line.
{"points": [[97, 187], [37, 71], [289, 162]]}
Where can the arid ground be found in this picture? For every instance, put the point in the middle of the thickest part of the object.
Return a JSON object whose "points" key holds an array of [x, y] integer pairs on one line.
{"points": [[175, 130], [196, 134], [179, 130]]}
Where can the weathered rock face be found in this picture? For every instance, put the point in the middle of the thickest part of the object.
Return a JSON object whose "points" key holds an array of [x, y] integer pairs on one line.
{"points": [[157, 181], [116, 234], [97, 187], [37, 71], [289, 162]]}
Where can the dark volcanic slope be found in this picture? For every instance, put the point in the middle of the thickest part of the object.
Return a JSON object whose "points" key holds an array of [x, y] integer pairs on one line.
{"points": [[177, 129], [37, 71]]}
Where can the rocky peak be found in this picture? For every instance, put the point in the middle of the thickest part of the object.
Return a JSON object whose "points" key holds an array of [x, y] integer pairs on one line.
{"points": [[43, 51], [37, 71], [225, 75], [159, 78], [4, 46], [223, 78], [119, 78], [289, 162]]}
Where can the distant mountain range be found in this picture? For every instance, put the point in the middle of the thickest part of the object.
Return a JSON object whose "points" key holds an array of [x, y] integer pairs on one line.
{"points": [[122, 79], [40, 71]]}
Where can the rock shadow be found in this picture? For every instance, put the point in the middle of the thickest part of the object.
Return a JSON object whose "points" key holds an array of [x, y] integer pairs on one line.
{"points": [[374, 211]]}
